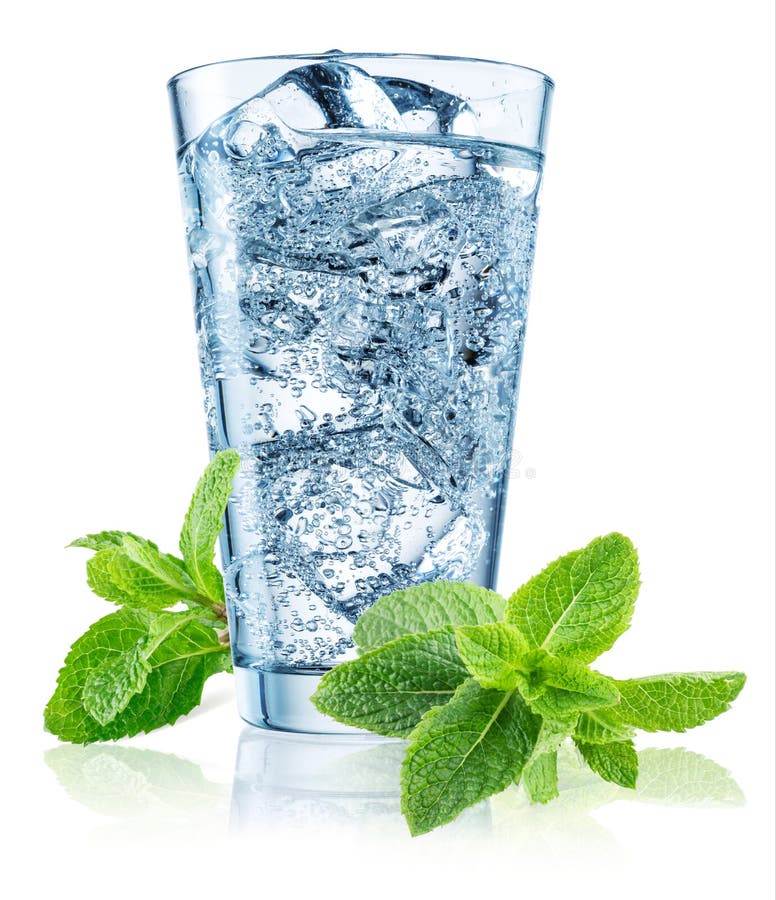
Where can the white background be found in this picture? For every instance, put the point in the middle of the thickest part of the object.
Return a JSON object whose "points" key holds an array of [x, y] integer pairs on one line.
{"points": [[646, 407]]}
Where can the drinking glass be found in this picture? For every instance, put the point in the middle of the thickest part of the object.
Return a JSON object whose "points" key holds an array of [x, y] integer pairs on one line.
{"points": [[360, 231]]}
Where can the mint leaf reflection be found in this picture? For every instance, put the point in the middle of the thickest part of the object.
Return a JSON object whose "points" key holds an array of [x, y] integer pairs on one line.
{"points": [[669, 777], [567, 826], [682, 778], [134, 785]]}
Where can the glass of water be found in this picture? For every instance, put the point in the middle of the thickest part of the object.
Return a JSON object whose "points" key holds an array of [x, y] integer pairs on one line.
{"points": [[360, 231]]}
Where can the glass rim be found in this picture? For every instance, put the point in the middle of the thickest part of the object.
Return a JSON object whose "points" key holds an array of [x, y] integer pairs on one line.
{"points": [[540, 76]]}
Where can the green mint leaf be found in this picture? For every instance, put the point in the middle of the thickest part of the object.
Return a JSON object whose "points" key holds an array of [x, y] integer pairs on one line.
{"points": [[181, 659], [601, 726], [101, 578], [677, 701], [558, 688], [541, 772], [616, 762], [204, 521], [151, 579], [104, 539], [389, 689], [490, 653], [581, 603], [109, 687], [426, 607], [554, 703], [135, 573], [553, 732], [541, 777], [463, 752]]}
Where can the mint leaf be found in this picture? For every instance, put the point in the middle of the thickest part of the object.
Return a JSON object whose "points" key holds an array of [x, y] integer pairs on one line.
{"points": [[150, 578], [616, 762], [135, 573], [554, 703], [601, 726], [553, 733], [463, 752], [541, 777], [677, 701], [388, 690], [104, 539], [490, 653], [111, 636], [557, 688], [426, 607], [180, 663], [101, 578], [204, 521], [541, 771], [581, 603], [109, 687], [180, 635]]}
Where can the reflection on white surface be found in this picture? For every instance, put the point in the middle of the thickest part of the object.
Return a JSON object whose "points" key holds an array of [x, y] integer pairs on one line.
{"points": [[303, 780], [300, 781], [351, 784], [143, 791], [567, 826]]}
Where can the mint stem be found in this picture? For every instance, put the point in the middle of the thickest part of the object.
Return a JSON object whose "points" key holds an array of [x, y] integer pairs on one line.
{"points": [[213, 605]]}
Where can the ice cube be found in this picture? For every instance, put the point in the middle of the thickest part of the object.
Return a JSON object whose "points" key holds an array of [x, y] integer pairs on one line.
{"points": [[285, 305], [332, 95], [364, 585], [453, 556], [428, 110], [358, 345], [368, 337], [286, 343], [406, 231], [360, 507], [404, 244], [251, 132], [463, 420]]}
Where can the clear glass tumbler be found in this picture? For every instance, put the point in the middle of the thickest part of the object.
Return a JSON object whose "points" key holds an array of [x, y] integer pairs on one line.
{"points": [[360, 231]]}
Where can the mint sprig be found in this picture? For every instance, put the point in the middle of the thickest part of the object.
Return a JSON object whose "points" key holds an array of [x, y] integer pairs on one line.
{"points": [[489, 691], [146, 664]]}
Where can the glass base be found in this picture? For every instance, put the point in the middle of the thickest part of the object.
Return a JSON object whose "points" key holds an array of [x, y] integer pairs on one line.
{"points": [[281, 701]]}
